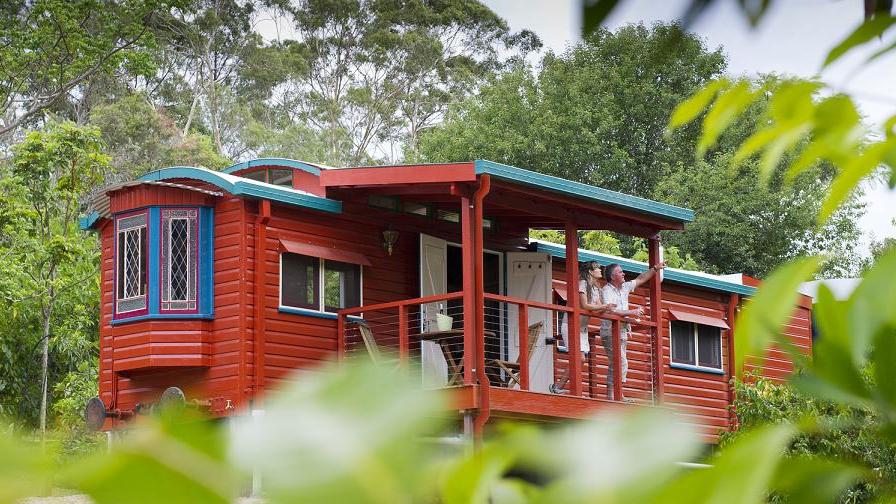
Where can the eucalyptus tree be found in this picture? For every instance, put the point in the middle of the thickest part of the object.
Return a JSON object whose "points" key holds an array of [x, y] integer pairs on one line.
{"points": [[369, 73], [49, 50], [45, 255]]}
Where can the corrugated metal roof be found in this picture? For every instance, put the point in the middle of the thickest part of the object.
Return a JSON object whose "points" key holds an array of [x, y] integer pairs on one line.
{"points": [[695, 278], [583, 191], [241, 186], [99, 205]]}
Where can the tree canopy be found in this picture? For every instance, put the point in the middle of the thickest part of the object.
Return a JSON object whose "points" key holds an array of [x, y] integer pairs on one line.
{"points": [[598, 114]]}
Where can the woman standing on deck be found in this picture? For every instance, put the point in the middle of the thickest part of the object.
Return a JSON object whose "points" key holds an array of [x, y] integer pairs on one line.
{"points": [[589, 299]]}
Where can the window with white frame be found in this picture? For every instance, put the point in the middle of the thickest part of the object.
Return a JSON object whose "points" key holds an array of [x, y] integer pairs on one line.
{"points": [[179, 261], [696, 345], [318, 284], [130, 268]]}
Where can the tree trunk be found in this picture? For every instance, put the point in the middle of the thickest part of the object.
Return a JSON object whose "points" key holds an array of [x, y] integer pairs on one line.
{"points": [[44, 367]]}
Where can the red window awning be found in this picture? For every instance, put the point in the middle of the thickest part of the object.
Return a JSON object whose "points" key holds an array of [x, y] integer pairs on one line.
{"points": [[560, 288], [697, 319], [330, 253]]}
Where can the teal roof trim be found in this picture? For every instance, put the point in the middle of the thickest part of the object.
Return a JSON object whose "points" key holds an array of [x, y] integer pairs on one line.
{"points": [[239, 186], [282, 162], [637, 267], [584, 191], [88, 221]]}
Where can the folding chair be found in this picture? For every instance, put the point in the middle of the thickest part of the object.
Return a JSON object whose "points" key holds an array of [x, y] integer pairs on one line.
{"points": [[512, 369]]}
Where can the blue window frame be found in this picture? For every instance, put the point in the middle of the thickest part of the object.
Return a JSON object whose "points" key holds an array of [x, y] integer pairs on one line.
{"points": [[171, 249]]}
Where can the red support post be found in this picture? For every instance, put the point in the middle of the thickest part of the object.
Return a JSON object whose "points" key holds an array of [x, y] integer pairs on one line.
{"points": [[617, 361], [485, 182], [261, 225], [656, 316], [523, 329], [572, 289], [403, 335], [469, 266], [340, 338], [733, 303]]}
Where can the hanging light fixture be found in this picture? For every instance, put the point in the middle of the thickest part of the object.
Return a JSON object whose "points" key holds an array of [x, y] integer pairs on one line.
{"points": [[390, 237]]}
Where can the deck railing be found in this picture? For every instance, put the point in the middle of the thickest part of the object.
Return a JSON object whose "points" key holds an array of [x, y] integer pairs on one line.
{"points": [[428, 335]]}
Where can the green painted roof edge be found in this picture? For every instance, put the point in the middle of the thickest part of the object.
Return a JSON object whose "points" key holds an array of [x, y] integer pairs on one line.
{"points": [[670, 275], [283, 162], [245, 187], [87, 222], [578, 189]]}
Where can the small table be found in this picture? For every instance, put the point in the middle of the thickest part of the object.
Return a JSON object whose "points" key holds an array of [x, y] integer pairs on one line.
{"points": [[452, 344], [449, 343]]}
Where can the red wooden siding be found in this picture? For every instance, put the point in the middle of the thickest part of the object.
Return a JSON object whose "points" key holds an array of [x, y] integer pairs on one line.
{"points": [[146, 355], [702, 397]]}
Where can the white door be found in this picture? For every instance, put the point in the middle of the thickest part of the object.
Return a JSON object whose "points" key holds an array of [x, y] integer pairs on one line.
{"points": [[529, 277], [433, 281]]}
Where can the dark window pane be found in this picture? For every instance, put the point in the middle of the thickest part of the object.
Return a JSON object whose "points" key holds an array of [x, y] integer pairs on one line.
{"points": [[120, 265], [179, 259], [342, 285], [299, 283], [259, 175], [144, 250], [415, 208], [683, 342], [709, 341], [281, 177], [387, 202]]}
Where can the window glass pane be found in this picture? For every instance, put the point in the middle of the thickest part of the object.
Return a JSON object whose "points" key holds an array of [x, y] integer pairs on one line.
{"points": [[130, 263], [709, 341], [281, 177], [299, 283], [415, 208], [342, 285], [387, 202], [445, 215], [682, 342], [178, 262], [258, 175]]}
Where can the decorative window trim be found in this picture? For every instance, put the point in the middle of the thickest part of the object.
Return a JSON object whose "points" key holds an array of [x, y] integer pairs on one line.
{"points": [[202, 273], [696, 366], [320, 311], [190, 303], [142, 262]]}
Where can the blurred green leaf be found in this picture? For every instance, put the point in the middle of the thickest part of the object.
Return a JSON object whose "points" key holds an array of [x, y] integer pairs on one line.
{"points": [[782, 142], [24, 470], [873, 304], [753, 144], [852, 174], [761, 320], [835, 372], [180, 459], [741, 473], [730, 104], [811, 480], [793, 102], [868, 30], [617, 457], [594, 12], [764, 315], [884, 370], [473, 479], [689, 109], [345, 434]]}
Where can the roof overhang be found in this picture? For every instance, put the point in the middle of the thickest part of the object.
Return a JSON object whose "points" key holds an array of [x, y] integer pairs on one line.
{"points": [[692, 278], [312, 168], [239, 186], [519, 196]]}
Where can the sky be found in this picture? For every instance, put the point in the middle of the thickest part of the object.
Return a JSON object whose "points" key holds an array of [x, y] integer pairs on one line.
{"points": [[793, 38]]}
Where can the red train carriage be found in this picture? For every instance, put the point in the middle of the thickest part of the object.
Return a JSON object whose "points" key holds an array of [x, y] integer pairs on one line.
{"points": [[225, 283]]}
